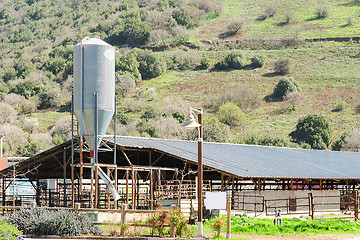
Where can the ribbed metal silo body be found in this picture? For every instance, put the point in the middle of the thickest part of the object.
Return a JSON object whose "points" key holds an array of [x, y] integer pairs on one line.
{"points": [[94, 71], [94, 94]]}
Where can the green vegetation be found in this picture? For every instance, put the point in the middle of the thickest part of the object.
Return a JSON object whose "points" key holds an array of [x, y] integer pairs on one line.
{"points": [[167, 56], [313, 130], [284, 86], [8, 231], [255, 226], [40, 221]]}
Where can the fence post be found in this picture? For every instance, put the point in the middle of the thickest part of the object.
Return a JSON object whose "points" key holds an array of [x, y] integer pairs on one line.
{"points": [[311, 205], [77, 207], [172, 226], [228, 220], [356, 206], [123, 214]]}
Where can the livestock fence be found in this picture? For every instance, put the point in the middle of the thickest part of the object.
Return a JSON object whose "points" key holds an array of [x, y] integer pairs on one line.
{"points": [[346, 202]]}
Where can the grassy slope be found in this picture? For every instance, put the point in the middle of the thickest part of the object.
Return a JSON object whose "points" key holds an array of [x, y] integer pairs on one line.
{"points": [[304, 22], [328, 72], [328, 75]]}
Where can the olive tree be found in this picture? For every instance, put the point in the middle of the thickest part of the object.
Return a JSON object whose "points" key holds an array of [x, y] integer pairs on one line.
{"points": [[313, 130]]}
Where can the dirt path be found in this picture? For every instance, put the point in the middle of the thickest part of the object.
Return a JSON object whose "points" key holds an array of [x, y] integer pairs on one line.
{"points": [[314, 237]]}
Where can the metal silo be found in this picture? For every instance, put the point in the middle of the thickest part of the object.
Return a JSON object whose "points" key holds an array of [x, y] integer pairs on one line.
{"points": [[94, 74], [94, 94]]}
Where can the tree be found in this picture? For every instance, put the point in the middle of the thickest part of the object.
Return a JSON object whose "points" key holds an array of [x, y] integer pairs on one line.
{"points": [[182, 17], [230, 114], [282, 66], [150, 64], [234, 27], [284, 86], [313, 130]]}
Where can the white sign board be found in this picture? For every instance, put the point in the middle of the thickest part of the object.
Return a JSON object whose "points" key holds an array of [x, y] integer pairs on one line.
{"points": [[215, 200]]}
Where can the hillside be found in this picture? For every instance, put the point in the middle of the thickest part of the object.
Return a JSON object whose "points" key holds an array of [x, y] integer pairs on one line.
{"points": [[189, 38]]}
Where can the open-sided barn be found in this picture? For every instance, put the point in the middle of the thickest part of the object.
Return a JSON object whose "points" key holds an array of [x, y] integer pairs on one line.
{"points": [[147, 170]]}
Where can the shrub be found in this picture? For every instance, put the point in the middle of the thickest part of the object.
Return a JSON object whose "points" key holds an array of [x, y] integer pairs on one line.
{"points": [[215, 131], [313, 130], [217, 225], [14, 140], [124, 84], [150, 112], [122, 117], [258, 61], [146, 129], [15, 100], [234, 27], [269, 11], [43, 140], [266, 140], [29, 124], [204, 63], [150, 64], [284, 86], [282, 66], [230, 114], [322, 12], [40, 221], [136, 32], [9, 232], [166, 127], [338, 144], [288, 18], [179, 221], [234, 60], [245, 98], [294, 98], [349, 21], [62, 128], [182, 17], [157, 222], [28, 88], [339, 107], [7, 113], [51, 97], [352, 142], [182, 60], [127, 63], [179, 116]]}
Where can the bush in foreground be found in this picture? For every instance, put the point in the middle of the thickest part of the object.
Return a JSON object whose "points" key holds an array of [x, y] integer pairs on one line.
{"points": [[8, 231], [40, 221]]}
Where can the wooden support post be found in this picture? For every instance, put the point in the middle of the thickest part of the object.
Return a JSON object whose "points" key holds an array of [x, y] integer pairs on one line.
{"points": [[228, 219], [133, 188], [356, 205], [123, 216], [233, 190], [37, 193], [321, 184], [92, 188], [96, 187], [127, 187], [222, 182], [311, 205], [72, 187], [172, 226], [151, 190]]}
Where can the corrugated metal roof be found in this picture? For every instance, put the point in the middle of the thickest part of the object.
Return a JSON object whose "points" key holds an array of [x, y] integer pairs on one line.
{"points": [[251, 161]]}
